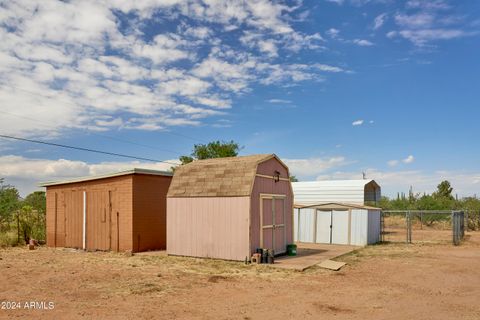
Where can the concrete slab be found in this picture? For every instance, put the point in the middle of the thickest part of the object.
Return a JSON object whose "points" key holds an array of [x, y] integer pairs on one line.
{"points": [[331, 265], [310, 254]]}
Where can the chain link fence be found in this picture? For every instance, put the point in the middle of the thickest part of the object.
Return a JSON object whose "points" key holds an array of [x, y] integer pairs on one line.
{"points": [[427, 225]]}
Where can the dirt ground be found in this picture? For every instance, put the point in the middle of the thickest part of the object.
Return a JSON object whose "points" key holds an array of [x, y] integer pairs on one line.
{"points": [[388, 281]]}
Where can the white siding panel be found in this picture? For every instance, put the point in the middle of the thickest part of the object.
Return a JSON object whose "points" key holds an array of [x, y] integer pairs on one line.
{"points": [[295, 224], [208, 227], [306, 225], [373, 226], [359, 227]]}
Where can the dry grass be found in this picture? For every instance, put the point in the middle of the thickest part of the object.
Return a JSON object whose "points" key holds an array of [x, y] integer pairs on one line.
{"points": [[394, 280], [384, 251]]}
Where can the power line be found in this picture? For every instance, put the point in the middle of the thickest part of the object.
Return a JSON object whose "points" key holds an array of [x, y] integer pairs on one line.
{"points": [[85, 149]]}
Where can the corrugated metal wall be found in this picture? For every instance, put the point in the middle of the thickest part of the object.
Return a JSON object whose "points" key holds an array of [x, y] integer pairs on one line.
{"points": [[374, 228], [214, 227], [305, 227], [343, 191], [359, 227]]}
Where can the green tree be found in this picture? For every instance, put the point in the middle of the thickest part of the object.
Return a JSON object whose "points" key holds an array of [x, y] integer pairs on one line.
{"points": [[293, 179], [444, 190], [215, 149], [9, 203], [36, 200]]}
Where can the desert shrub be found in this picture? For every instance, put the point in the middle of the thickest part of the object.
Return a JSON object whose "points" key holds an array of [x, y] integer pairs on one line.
{"points": [[8, 238], [32, 224]]}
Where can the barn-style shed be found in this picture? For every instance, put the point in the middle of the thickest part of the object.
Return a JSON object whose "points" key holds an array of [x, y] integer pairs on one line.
{"points": [[226, 208], [337, 223], [119, 211], [360, 192]]}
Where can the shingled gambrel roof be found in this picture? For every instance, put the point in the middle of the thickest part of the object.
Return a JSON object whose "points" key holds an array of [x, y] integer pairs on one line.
{"points": [[220, 177]]}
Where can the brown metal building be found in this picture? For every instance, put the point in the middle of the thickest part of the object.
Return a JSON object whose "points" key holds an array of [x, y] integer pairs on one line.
{"points": [[120, 211], [227, 208]]}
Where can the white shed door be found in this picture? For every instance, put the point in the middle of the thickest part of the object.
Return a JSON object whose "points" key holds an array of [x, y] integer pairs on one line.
{"points": [[306, 225], [324, 221], [339, 227]]}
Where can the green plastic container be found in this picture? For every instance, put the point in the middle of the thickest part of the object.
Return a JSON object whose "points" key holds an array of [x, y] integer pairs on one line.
{"points": [[291, 249]]}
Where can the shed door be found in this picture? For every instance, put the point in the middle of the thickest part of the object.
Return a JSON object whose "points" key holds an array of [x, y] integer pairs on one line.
{"points": [[306, 221], [332, 227], [324, 223], [98, 221], [273, 229], [280, 233], [73, 202], [340, 227]]}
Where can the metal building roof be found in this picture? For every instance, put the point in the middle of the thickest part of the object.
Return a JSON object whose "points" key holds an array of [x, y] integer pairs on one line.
{"points": [[336, 205], [108, 175], [336, 191]]}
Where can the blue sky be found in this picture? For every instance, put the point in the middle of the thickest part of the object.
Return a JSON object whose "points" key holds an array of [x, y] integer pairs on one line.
{"points": [[335, 88]]}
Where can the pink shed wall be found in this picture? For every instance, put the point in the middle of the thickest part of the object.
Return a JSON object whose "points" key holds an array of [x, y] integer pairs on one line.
{"points": [[269, 186], [210, 227]]}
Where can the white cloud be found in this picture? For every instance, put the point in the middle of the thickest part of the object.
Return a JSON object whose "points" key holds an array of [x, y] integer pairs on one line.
{"points": [[431, 4], [77, 64], [279, 101], [422, 37], [362, 42], [333, 33], [357, 122], [409, 159], [393, 163], [339, 2], [419, 20], [269, 47], [314, 166], [428, 21], [379, 21], [328, 68], [27, 173]]}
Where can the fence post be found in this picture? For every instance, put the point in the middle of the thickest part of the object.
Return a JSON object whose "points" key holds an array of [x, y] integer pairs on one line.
{"points": [[406, 224], [466, 220], [458, 226], [421, 220], [409, 226], [18, 227], [454, 226]]}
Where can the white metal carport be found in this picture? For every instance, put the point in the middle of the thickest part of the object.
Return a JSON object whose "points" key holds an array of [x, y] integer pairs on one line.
{"points": [[360, 192]]}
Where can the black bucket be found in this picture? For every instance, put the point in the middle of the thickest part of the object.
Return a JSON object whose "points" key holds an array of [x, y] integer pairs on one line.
{"points": [[271, 257], [264, 255]]}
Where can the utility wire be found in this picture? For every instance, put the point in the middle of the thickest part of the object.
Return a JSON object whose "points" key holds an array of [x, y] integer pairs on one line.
{"points": [[85, 149]]}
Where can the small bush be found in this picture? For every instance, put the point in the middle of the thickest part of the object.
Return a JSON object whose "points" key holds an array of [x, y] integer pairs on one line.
{"points": [[8, 238]]}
